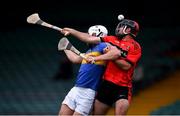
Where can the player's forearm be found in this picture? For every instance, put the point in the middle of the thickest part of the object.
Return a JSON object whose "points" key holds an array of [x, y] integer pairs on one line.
{"points": [[105, 57], [112, 54], [84, 36], [123, 64], [74, 58]]}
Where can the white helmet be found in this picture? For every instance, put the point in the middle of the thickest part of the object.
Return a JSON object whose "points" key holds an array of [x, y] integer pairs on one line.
{"points": [[98, 31]]}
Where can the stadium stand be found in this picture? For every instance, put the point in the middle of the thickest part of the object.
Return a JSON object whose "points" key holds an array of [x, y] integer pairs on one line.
{"points": [[172, 109], [29, 60]]}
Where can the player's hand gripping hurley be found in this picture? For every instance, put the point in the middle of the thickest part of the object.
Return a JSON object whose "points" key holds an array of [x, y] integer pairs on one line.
{"points": [[35, 19], [64, 44]]}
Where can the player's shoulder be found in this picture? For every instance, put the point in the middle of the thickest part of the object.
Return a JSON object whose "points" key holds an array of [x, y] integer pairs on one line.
{"points": [[133, 46], [109, 38], [132, 43], [103, 44]]}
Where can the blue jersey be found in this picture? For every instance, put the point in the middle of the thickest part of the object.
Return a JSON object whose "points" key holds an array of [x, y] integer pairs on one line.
{"points": [[90, 75]]}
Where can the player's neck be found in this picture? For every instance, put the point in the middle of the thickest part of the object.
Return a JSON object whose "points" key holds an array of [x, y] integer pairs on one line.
{"points": [[128, 37]]}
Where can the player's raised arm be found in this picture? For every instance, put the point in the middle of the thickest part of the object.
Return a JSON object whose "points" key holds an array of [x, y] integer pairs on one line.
{"points": [[85, 37], [74, 58]]}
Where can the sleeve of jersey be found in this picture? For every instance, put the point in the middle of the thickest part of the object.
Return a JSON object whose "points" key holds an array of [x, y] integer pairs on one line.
{"points": [[102, 46], [133, 55], [104, 39]]}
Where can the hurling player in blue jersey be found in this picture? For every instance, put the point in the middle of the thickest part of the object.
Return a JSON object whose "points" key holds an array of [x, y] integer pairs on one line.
{"points": [[79, 100]]}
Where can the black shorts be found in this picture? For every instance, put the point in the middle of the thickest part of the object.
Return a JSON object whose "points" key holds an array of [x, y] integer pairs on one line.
{"points": [[108, 93]]}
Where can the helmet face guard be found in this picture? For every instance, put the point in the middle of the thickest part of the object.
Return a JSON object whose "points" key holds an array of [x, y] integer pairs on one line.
{"points": [[123, 25]]}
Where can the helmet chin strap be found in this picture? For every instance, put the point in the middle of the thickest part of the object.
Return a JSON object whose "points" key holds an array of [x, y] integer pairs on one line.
{"points": [[133, 35], [99, 34]]}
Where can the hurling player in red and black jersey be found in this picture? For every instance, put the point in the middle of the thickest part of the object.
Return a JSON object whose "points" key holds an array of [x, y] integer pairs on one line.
{"points": [[117, 79]]}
